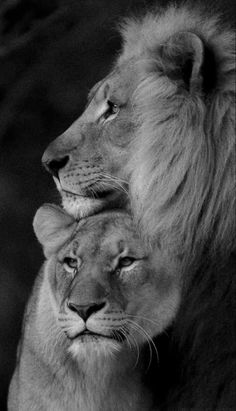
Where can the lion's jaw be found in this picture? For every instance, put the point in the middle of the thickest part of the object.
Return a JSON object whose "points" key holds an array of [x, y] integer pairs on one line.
{"points": [[81, 206]]}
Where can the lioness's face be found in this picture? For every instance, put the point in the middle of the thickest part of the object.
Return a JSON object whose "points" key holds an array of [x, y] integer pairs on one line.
{"points": [[103, 286], [88, 160]]}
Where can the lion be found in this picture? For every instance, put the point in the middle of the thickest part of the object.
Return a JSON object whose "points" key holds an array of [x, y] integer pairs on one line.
{"points": [[95, 304], [158, 137]]}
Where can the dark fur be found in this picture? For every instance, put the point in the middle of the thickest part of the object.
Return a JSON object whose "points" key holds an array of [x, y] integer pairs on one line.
{"points": [[196, 213], [197, 368]]}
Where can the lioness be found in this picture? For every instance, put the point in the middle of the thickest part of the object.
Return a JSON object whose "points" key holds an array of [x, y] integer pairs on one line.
{"points": [[94, 304]]}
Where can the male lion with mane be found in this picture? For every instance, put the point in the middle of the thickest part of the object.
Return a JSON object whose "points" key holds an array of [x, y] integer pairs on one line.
{"points": [[158, 136]]}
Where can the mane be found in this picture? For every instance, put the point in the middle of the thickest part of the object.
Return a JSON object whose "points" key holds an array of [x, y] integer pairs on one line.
{"points": [[182, 171]]}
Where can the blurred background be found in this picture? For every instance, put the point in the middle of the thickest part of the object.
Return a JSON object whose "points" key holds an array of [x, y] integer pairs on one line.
{"points": [[51, 53]]}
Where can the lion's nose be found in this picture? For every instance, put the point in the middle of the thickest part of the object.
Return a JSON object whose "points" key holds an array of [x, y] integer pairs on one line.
{"points": [[85, 311], [53, 165]]}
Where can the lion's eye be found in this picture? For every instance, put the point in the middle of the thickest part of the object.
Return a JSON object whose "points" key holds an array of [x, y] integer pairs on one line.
{"points": [[70, 264], [112, 110], [126, 262]]}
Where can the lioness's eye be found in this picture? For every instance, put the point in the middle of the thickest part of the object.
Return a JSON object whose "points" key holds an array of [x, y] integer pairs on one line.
{"points": [[112, 109], [70, 263], [126, 262]]}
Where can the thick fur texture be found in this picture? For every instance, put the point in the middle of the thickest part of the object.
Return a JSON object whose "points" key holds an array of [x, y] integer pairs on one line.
{"points": [[183, 165], [182, 184], [97, 303], [162, 126]]}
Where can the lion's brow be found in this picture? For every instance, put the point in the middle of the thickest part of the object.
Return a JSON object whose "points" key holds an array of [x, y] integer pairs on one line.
{"points": [[94, 89]]}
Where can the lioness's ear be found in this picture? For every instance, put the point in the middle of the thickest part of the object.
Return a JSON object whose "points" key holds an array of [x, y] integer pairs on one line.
{"points": [[183, 57], [52, 226]]}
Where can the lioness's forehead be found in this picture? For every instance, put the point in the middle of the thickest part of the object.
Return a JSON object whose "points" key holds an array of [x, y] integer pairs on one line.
{"points": [[103, 226], [109, 232]]}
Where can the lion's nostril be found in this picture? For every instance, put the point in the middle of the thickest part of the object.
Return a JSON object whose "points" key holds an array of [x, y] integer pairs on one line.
{"points": [[53, 166]]}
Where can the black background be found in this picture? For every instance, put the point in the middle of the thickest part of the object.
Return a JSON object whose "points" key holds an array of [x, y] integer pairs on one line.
{"points": [[51, 53]]}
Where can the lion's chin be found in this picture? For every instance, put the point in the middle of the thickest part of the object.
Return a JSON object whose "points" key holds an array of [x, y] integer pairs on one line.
{"points": [[80, 206], [91, 348]]}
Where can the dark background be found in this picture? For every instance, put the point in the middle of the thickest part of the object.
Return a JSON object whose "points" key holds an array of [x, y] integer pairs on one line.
{"points": [[51, 53]]}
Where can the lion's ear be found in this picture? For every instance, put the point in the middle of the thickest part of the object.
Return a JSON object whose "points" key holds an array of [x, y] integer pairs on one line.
{"points": [[183, 58], [52, 226]]}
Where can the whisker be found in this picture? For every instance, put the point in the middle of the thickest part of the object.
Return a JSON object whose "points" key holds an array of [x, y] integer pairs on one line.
{"points": [[137, 349], [132, 342], [117, 183], [143, 318], [148, 338], [107, 183], [113, 184], [93, 192], [119, 179], [126, 335]]}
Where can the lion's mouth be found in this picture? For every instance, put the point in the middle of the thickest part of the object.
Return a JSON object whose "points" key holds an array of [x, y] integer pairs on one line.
{"points": [[93, 192], [92, 195], [100, 195]]}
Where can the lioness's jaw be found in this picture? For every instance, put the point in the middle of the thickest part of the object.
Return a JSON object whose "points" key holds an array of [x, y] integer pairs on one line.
{"points": [[90, 265], [92, 351]]}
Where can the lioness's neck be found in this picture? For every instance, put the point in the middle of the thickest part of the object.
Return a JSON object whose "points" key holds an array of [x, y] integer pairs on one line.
{"points": [[112, 381], [93, 377]]}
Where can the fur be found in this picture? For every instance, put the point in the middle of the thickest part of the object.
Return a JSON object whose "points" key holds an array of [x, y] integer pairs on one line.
{"points": [[182, 185], [183, 165], [172, 141], [60, 367]]}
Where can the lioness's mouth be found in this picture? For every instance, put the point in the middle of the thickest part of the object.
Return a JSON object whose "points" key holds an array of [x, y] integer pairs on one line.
{"points": [[87, 334]]}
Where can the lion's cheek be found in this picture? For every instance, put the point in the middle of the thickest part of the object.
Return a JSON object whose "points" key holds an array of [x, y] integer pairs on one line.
{"points": [[116, 147]]}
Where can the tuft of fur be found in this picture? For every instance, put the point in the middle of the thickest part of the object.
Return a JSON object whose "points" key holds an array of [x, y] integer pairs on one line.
{"points": [[182, 172], [182, 186]]}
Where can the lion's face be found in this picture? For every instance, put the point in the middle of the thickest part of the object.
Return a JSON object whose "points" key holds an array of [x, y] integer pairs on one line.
{"points": [[162, 124], [88, 160], [102, 283]]}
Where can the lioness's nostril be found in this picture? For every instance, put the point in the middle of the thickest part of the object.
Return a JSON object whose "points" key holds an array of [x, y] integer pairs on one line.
{"points": [[85, 311], [53, 166]]}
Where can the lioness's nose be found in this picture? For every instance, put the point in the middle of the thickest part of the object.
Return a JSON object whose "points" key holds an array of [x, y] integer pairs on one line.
{"points": [[85, 311], [53, 165]]}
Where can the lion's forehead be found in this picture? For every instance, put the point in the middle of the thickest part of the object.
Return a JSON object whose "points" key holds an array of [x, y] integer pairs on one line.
{"points": [[122, 80]]}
